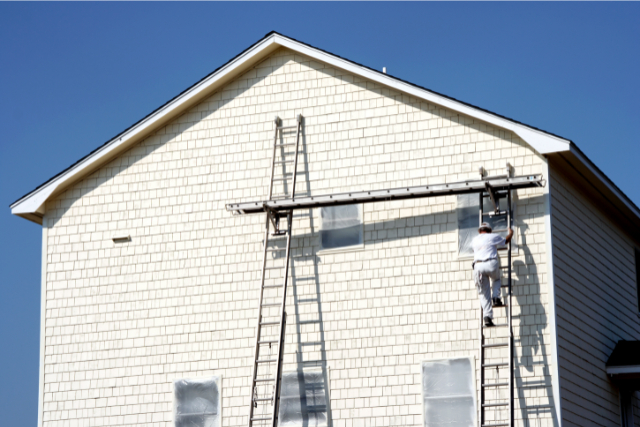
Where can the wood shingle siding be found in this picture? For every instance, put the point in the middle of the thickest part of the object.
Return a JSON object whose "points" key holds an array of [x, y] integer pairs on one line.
{"points": [[595, 284], [179, 299]]}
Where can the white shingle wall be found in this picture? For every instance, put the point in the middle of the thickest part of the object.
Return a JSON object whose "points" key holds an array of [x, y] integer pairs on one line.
{"points": [[180, 300]]}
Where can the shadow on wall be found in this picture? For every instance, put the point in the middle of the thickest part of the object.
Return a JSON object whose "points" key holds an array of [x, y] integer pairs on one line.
{"points": [[313, 316], [533, 363], [310, 333]]}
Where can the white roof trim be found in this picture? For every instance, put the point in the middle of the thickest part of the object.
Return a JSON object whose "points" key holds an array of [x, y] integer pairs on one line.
{"points": [[33, 203], [542, 142], [605, 180], [630, 369]]}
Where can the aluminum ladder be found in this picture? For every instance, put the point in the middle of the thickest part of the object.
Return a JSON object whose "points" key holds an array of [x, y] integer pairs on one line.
{"points": [[271, 323], [496, 390]]}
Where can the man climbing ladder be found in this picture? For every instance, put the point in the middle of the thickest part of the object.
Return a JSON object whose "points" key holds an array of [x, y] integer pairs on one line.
{"points": [[486, 268]]}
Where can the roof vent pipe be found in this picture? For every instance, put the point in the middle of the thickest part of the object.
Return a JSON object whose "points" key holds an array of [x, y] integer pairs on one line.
{"points": [[384, 70]]}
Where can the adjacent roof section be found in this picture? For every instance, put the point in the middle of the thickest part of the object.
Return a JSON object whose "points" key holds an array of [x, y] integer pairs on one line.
{"points": [[625, 358], [31, 206]]}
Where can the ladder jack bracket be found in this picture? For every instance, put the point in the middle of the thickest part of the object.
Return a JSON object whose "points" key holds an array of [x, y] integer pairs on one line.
{"points": [[273, 217], [494, 198]]}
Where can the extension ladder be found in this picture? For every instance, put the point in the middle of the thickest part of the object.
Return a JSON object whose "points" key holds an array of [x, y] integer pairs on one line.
{"points": [[495, 408], [270, 332]]}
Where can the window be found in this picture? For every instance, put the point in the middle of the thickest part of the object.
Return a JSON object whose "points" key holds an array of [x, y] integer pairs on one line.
{"points": [[341, 226], [197, 402], [448, 392], [303, 399], [468, 211]]}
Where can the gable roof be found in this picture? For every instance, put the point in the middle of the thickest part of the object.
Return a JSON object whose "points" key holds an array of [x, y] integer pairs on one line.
{"points": [[31, 205]]}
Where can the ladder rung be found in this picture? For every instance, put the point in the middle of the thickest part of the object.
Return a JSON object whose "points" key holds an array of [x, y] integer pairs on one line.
{"points": [[287, 127], [495, 345], [271, 286], [489, 405], [276, 249], [495, 425], [275, 304], [269, 323], [267, 361], [267, 342], [493, 365], [280, 267], [286, 145], [495, 385], [261, 419], [281, 179], [263, 380], [262, 399], [283, 161]]}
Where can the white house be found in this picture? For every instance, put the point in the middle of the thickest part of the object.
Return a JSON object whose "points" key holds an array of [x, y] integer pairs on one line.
{"points": [[150, 286]]}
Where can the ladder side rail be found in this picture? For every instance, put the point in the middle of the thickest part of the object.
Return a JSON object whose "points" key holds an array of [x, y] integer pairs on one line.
{"points": [[273, 157], [254, 375], [283, 316], [295, 160], [482, 378], [510, 311]]}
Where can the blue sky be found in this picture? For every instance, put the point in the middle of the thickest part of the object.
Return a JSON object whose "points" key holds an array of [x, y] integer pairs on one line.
{"points": [[72, 75]]}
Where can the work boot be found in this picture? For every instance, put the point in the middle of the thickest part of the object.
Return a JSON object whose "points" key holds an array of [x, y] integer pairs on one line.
{"points": [[488, 321], [497, 302]]}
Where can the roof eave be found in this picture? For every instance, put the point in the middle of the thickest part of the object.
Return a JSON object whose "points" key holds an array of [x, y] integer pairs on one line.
{"points": [[602, 184], [33, 203], [542, 142]]}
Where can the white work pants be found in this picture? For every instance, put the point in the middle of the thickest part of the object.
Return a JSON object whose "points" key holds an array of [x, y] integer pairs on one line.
{"points": [[486, 276]]}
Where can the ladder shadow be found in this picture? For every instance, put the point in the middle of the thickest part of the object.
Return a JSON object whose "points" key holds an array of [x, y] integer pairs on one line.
{"points": [[526, 290], [310, 411]]}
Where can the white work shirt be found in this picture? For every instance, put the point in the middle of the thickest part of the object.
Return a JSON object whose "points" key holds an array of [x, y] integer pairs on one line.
{"points": [[485, 246]]}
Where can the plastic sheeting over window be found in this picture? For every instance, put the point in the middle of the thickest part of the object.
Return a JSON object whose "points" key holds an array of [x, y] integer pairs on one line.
{"points": [[197, 402], [341, 226], [468, 209], [449, 393], [303, 399]]}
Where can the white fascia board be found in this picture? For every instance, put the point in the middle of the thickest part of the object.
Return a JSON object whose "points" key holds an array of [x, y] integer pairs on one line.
{"points": [[631, 369], [34, 202], [542, 142], [604, 180]]}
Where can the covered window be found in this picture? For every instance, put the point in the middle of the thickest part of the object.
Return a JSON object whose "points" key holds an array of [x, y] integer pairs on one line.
{"points": [[303, 399], [468, 209], [341, 226], [448, 391], [196, 402]]}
